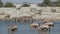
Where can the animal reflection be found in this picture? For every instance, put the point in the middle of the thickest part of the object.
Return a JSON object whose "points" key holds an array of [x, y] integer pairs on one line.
{"points": [[12, 29], [43, 27], [44, 32]]}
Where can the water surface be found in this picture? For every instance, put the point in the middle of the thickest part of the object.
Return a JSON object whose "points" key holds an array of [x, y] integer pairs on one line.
{"points": [[24, 28]]}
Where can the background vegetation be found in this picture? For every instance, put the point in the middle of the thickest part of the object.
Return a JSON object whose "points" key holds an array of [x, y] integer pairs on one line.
{"points": [[43, 4], [7, 4], [49, 3]]}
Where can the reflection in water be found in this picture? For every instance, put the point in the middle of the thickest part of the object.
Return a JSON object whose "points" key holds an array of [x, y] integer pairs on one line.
{"points": [[39, 31], [44, 32], [11, 32], [24, 28]]}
